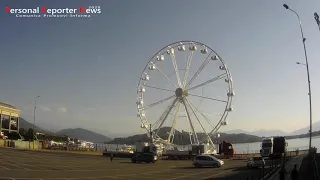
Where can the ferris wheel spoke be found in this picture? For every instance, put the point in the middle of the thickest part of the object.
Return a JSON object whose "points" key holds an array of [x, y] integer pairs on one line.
{"points": [[186, 73], [165, 115], [209, 81], [172, 130], [195, 136], [175, 66], [202, 127], [167, 78], [159, 88], [205, 62], [205, 117], [208, 98], [156, 103], [156, 124]]}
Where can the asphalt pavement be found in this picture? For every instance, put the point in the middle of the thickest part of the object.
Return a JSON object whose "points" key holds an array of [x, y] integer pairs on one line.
{"points": [[29, 165]]}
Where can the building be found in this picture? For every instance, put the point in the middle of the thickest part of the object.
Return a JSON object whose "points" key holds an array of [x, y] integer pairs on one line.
{"points": [[9, 116]]}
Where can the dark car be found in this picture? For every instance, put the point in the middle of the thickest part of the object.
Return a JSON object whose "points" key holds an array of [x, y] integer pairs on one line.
{"points": [[144, 157]]}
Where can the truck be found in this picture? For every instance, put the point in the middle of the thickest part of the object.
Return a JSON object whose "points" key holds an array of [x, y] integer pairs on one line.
{"points": [[273, 147], [124, 152], [177, 154], [144, 147], [225, 149]]}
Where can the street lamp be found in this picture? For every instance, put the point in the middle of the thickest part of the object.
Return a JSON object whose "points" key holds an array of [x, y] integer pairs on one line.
{"points": [[307, 66], [316, 17], [34, 118]]}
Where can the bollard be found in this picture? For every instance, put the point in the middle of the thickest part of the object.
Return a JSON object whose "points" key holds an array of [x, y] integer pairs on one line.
{"points": [[260, 174], [282, 173]]}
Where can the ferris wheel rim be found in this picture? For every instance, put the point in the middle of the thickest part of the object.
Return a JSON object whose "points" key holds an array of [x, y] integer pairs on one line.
{"points": [[227, 72]]}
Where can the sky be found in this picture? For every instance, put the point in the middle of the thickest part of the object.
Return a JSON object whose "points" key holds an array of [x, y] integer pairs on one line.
{"points": [[86, 70]]}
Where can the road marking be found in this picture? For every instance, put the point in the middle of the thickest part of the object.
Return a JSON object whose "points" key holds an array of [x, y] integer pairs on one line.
{"points": [[14, 165], [4, 167]]}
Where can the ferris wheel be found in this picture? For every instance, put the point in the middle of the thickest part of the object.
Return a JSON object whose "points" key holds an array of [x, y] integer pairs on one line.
{"points": [[186, 87]]}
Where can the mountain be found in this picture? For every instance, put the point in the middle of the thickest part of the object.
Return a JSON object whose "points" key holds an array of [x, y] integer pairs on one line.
{"points": [[268, 133], [183, 137], [26, 125], [236, 131], [260, 133], [315, 127], [84, 134]]}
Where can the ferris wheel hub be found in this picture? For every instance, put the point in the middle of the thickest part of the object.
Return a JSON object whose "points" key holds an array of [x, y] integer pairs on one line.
{"points": [[181, 93]]}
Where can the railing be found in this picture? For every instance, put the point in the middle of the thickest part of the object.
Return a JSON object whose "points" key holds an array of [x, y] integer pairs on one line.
{"points": [[315, 164], [269, 169]]}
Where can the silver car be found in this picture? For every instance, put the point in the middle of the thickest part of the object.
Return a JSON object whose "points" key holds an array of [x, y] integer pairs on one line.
{"points": [[207, 161], [256, 162]]}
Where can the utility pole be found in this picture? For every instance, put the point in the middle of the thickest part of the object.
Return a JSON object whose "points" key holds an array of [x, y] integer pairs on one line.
{"points": [[308, 74], [34, 119]]}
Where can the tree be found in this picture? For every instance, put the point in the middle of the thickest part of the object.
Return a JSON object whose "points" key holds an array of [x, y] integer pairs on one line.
{"points": [[22, 132]]}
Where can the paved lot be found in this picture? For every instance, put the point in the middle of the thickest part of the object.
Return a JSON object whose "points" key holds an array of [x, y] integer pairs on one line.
{"points": [[23, 165]]}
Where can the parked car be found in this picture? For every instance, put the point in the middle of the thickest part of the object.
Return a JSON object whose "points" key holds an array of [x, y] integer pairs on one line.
{"points": [[207, 161], [144, 157], [256, 162]]}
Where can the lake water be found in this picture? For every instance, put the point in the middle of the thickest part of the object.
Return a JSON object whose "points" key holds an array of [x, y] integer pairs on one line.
{"points": [[243, 148]]}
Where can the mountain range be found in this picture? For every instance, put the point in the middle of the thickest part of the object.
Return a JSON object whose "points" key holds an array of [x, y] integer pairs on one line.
{"points": [[268, 133], [183, 137], [79, 133], [260, 133], [315, 127], [98, 136], [84, 134]]}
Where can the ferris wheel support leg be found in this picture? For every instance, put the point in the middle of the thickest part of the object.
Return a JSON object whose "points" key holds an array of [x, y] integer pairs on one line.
{"points": [[166, 115], [195, 136], [172, 130], [208, 136]]}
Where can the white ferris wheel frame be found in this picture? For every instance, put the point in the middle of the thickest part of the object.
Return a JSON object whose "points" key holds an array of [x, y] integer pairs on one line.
{"points": [[151, 65]]}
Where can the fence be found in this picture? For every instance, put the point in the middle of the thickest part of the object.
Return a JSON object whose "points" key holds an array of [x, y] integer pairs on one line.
{"points": [[21, 144], [271, 166]]}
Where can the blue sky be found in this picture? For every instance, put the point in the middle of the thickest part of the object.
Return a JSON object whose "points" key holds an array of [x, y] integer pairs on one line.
{"points": [[86, 70]]}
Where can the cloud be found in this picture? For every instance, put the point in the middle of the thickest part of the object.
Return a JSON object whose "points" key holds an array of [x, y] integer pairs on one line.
{"points": [[45, 109], [62, 110], [90, 109]]}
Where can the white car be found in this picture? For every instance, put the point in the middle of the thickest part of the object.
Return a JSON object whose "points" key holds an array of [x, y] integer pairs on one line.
{"points": [[207, 161], [256, 162]]}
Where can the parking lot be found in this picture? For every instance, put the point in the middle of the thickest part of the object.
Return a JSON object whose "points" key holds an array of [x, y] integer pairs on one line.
{"points": [[17, 164]]}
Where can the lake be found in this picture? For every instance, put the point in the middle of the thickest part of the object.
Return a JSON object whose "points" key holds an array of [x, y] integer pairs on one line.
{"points": [[241, 148]]}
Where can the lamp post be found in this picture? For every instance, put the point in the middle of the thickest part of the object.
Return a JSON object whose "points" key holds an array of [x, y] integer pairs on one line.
{"points": [[307, 66], [316, 17], [34, 118]]}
